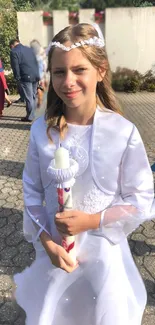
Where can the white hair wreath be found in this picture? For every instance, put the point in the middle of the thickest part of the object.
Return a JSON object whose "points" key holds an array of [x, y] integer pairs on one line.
{"points": [[95, 41]]}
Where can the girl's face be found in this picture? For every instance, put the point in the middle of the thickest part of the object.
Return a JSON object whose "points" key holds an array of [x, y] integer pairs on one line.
{"points": [[74, 78]]}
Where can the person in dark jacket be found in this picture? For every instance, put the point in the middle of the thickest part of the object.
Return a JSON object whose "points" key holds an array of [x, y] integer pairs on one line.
{"points": [[26, 72]]}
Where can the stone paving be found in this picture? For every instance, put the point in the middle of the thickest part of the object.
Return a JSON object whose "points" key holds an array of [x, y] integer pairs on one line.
{"points": [[15, 252]]}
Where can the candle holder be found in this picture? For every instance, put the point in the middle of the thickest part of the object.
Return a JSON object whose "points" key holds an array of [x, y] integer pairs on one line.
{"points": [[65, 179]]}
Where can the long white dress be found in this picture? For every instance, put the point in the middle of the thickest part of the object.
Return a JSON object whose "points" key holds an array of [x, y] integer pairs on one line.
{"points": [[107, 288]]}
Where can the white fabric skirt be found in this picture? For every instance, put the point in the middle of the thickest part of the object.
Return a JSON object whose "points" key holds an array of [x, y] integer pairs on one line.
{"points": [[106, 288]]}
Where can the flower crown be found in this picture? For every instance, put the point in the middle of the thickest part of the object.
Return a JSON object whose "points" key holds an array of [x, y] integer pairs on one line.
{"points": [[95, 41]]}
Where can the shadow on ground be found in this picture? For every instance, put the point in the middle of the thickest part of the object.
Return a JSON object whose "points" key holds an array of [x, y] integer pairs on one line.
{"points": [[15, 252], [20, 126], [140, 248], [11, 169]]}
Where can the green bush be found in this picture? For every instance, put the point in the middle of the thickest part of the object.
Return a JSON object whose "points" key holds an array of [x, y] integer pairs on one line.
{"points": [[132, 85], [148, 82], [132, 81], [8, 30], [118, 84], [151, 88]]}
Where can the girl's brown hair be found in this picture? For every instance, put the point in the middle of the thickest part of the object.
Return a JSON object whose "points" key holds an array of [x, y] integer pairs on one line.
{"points": [[97, 56]]}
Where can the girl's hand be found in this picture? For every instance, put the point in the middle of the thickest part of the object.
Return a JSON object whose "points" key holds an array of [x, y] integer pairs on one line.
{"points": [[73, 222], [59, 257]]}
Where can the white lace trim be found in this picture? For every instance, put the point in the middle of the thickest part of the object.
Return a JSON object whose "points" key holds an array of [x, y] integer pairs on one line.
{"points": [[93, 201], [94, 41]]}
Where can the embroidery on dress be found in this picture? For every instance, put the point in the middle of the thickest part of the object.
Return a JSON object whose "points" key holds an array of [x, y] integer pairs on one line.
{"points": [[76, 149], [93, 201]]}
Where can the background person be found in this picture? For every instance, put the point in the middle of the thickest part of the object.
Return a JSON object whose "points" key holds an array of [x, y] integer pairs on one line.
{"points": [[42, 63], [21, 99], [7, 99], [26, 72], [96, 24]]}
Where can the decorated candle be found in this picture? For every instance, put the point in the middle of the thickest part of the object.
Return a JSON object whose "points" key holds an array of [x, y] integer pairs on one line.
{"points": [[65, 198], [61, 158]]}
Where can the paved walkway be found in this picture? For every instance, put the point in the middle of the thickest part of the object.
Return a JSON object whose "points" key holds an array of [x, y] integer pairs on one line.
{"points": [[15, 253]]}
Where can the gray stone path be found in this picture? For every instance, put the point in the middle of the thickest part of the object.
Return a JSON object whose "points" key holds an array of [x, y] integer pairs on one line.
{"points": [[15, 252]]}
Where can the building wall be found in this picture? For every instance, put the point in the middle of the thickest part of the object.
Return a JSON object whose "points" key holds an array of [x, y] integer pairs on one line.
{"points": [[86, 16], [30, 26], [129, 34], [60, 20]]}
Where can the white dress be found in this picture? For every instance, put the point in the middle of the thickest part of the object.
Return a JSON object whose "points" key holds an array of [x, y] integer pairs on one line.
{"points": [[107, 288]]}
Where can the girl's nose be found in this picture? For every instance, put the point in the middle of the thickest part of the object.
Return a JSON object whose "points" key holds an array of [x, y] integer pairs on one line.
{"points": [[69, 80]]}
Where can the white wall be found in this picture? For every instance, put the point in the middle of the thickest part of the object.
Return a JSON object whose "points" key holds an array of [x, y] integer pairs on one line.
{"points": [[30, 26], [129, 33], [130, 38], [86, 16], [60, 20]]}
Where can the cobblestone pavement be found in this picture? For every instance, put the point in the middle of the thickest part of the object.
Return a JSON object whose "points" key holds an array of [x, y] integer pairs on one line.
{"points": [[15, 252]]}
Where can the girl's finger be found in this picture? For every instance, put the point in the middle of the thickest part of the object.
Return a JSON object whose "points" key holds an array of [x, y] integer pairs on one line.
{"points": [[65, 214], [68, 268], [61, 221], [67, 259], [71, 269], [62, 227], [62, 231]]}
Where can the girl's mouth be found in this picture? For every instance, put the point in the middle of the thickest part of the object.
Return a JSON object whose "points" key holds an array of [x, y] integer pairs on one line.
{"points": [[72, 94]]}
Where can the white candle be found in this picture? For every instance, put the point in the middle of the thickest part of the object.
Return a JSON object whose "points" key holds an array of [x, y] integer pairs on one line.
{"points": [[61, 158], [65, 196]]}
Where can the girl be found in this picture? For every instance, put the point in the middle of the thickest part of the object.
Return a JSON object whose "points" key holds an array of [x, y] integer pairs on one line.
{"points": [[112, 195]]}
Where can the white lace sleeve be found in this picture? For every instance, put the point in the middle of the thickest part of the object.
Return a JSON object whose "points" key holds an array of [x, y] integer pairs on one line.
{"points": [[134, 204], [35, 221], [119, 221], [32, 184]]}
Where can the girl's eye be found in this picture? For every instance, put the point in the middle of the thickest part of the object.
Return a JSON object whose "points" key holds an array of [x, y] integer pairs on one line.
{"points": [[80, 70], [62, 72], [58, 72]]}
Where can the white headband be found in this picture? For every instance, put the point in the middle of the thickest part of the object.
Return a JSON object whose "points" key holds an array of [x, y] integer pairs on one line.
{"points": [[95, 41]]}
